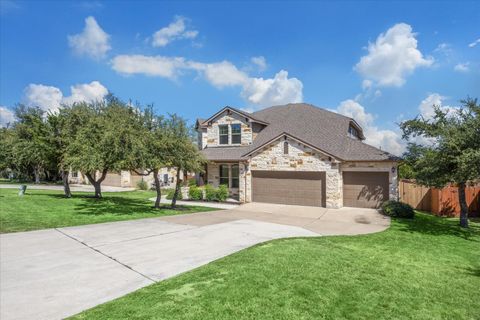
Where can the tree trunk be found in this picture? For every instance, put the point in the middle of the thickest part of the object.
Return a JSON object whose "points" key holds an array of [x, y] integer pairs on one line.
{"points": [[463, 205], [157, 188], [36, 172], [96, 183], [177, 189], [66, 185]]}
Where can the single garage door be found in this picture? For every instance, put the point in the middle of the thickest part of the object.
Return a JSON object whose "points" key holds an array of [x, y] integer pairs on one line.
{"points": [[365, 189], [289, 187]]}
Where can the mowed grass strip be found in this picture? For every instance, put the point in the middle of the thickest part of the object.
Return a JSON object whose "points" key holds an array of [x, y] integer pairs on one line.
{"points": [[427, 268], [41, 209]]}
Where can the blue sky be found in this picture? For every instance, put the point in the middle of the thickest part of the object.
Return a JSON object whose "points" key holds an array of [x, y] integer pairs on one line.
{"points": [[379, 62]]}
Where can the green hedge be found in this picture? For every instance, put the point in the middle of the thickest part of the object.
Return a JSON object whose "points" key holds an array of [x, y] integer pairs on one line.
{"points": [[398, 209], [142, 185], [216, 194], [195, 193]]}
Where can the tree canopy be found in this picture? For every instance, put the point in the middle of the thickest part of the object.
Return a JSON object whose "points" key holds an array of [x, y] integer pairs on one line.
{"points": [[452, 154]]}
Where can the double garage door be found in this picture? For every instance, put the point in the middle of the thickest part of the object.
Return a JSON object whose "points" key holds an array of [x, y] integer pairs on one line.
{"points": [[289, 187], [360, 189]]}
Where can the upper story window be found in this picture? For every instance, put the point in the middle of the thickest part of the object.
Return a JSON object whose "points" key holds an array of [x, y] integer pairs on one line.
{"points": [[223, 132], [352, 132], [236, 133]]}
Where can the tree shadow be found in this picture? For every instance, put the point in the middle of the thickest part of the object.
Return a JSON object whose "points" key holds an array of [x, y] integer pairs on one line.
{"points": [[473, 271], [377, 194], [113, 205], [438, 226]]}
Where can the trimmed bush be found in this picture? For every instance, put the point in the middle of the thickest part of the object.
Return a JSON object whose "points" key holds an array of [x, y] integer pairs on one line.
{"points": [[210, 193], [222, 193], [142, 185], [192, 182], [195, 193], [398, 209], [171, 192]]}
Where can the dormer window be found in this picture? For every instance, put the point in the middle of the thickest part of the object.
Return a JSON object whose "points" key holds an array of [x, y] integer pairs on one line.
{"points": [[352, 132], [236, 133], [285, 147], [223, 134]]}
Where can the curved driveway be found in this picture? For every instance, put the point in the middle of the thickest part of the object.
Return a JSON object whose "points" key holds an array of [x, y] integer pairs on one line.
{"points": [[55, 273]]}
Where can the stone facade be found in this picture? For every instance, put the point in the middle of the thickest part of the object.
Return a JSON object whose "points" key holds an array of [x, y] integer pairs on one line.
{"points": [[380, 166], [299, 158], [211, 137]]}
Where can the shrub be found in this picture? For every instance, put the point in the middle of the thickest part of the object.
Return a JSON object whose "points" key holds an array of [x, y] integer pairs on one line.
{"points": [[171, 192], [142, 185], [222, 193], [192, 182], [210, 193], [398, 209], [195, 193]]}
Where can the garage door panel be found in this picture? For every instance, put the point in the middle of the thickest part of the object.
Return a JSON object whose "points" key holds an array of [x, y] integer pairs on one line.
{"points": [[365, 189], [288, 187]]}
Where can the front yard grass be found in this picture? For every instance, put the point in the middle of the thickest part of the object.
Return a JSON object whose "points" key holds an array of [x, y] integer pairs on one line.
{"points": [[41, 209], [426, 268]]}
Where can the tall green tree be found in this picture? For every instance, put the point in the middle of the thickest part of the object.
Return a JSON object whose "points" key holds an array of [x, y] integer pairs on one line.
{"points": [[31, 148], [182, 151], [453, 156], [100, 137], [151, 152]]}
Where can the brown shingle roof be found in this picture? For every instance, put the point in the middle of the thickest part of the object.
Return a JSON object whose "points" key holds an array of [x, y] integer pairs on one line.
{"points": [[322, 129]]}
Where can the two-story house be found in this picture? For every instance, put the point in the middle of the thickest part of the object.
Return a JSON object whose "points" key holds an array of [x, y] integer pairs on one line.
{"points": [[295, 154]]}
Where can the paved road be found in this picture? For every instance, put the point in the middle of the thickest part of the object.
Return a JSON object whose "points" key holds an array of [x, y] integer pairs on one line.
{"points": [[55, 273]]}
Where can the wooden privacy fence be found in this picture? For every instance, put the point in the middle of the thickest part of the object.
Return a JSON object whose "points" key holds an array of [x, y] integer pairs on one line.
{"points": [[439, 201]]}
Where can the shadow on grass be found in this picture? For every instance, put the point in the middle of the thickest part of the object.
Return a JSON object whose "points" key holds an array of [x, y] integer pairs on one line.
{"points": [[113, 205], [437, 226]]}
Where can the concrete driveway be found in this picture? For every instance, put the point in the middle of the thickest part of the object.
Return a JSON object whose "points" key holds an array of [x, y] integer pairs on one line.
{"points": [[55, 273]]}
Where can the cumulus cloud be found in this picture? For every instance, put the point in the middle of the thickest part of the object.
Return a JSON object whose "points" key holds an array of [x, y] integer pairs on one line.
{"points": [[474, 43], [433, 99], [260, 62], [258, 91], [50, 98], [45, 97], [92, 41], [462, 67], [7, 117], [87, 92], [392, 57], [165, 67], [175, 30], [387, 140]]}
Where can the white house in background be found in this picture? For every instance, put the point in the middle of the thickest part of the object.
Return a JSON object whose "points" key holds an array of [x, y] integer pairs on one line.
{"points": [[295, 154]]}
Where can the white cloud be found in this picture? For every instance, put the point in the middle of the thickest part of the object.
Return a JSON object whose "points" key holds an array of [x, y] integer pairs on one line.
{"points": [[260, 62], [387, 140], [45, 97], [165, 67], [275, 91], [92, 42], [474, 43], [175, 30], [392, 57], [258, 91], [433, 99], [462, 67], [7, 116], [87, 92], [50, 98]]}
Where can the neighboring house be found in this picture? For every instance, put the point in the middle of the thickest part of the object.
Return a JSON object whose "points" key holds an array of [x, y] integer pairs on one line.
{"points": [[129, 178], [295, 154]]}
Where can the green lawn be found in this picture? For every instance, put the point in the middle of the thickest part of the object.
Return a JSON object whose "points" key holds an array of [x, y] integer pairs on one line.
{"points": [[40, 209], [427, 268]]}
